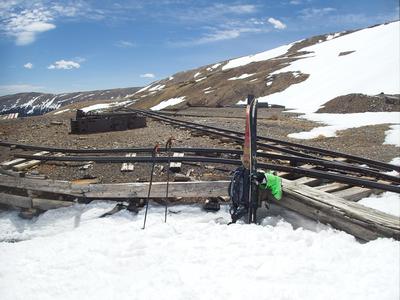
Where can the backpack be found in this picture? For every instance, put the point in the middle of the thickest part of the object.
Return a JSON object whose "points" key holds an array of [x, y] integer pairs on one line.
{"points": [[239, 193]]}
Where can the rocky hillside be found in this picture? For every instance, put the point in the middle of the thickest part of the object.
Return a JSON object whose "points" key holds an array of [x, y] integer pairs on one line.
{"points": [[30, 104], [303, 75]]}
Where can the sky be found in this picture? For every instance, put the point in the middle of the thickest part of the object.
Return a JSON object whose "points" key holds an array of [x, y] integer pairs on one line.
{"points": [[76, 45]]}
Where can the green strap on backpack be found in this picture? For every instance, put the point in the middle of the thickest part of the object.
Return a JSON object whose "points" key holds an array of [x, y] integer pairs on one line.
{"points": [[274, 184]]}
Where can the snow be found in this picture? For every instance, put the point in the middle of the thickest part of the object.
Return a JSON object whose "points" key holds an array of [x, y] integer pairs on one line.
{"points": [[169, 102], [371, 69], [387, 202], [195, 255], [213, 67], [338, 122], [61, 111], [393, 135], [200, 79], [103, 106], [243, 76], [197, 74], [210, 91], [245, 60], [157, 88]]}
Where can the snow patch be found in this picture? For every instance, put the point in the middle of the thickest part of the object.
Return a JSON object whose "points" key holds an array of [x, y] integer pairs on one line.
{"points": [[393, 135], [169, 102], [61, 111], [157, 88], [197, 74], [338, 122], [243, 76], [387, 202], [200, 79], [245, 60]]}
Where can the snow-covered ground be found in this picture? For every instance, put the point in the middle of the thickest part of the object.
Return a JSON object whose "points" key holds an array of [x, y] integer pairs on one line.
{"points": [[195, 255]]}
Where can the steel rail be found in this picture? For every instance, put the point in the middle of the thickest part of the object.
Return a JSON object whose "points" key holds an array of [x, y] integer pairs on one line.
{"points": [[295, 170], [292, 159], [321, 151]]}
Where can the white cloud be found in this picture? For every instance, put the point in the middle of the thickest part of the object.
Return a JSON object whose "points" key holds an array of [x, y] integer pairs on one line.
{"points": [[309, 13], [277, 24], [125, 44], [28, 65], [148, 75], [64, 64], [23, 20]]}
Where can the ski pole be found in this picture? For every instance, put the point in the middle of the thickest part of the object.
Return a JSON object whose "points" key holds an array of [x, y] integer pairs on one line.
{"points": [[153, 155], [168, 146]]}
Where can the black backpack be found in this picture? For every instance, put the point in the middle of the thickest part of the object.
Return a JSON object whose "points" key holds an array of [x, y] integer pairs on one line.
{"points": [[239, 193]]}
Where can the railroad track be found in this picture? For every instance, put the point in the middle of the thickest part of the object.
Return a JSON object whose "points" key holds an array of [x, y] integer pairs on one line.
{"points": [[323, 169]]}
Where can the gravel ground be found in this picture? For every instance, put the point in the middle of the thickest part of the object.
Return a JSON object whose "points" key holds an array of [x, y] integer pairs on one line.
{"points": [[365, 141]]}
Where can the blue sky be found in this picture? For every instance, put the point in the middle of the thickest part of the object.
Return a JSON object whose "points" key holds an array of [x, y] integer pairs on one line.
{"points": [[76, 45]]}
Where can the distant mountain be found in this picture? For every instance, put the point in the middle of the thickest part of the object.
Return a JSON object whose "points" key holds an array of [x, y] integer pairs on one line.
{"points": [[303, 75], [31, 104]]}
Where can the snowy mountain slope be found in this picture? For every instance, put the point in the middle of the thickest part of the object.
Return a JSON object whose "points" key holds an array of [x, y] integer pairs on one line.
{"points": [[29, 104], [365, 61], [303, 75]]}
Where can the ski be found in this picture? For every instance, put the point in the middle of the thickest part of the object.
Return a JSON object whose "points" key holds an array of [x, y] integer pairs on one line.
{"points": [[250, 156]]}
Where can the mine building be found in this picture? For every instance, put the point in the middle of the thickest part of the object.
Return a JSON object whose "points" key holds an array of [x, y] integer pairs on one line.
{"points": [[102, 122]]}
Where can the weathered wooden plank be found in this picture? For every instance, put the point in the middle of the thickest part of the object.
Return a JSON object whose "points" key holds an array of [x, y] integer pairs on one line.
{"points": [[176, 166], [128, 167], [332, 187], [47, 204], [29, 163], [15, 200], [354, 194], [9, 163], [308, 181], [28, 202]]}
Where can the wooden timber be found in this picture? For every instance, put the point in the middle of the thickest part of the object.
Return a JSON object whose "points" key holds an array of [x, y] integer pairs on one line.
{"points": [[29, 163], [362, 222], [28, 202]]}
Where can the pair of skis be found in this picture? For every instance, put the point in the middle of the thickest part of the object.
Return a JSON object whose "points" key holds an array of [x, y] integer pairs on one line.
{"points": [[250, 156]]}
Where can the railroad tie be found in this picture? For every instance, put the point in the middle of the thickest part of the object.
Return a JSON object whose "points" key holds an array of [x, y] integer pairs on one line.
{"points": [[30, 163]]}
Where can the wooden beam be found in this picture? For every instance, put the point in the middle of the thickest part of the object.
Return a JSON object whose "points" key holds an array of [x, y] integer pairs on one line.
{"points": [[332, 187], [15, 200], [9, 163], [362, 222], [354, 194]]}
